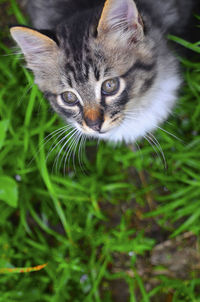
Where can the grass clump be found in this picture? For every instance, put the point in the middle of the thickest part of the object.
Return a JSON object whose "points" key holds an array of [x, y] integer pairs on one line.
{"points": [[98, 231]]}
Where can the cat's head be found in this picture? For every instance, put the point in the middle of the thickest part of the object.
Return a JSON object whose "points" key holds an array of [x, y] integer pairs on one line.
{"points": [[95, 68]]}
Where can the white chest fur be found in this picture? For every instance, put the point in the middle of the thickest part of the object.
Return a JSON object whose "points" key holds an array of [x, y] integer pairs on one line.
{"points": [[152, 109]]}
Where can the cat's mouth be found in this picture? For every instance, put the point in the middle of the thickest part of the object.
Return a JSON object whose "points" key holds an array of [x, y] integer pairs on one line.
{"points": [[98, 132], [103, 132], [89, 131], [99, 128]]}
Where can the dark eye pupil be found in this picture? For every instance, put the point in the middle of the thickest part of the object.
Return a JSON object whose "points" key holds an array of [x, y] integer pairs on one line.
{"points": [[71, 97], [110, 86]]}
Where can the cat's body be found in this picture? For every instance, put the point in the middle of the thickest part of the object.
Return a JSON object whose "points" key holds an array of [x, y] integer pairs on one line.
{"points": [[169, 15], [106, 69]]}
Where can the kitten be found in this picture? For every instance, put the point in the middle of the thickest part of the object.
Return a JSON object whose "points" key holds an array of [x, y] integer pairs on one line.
{"points": [[106, 68]]}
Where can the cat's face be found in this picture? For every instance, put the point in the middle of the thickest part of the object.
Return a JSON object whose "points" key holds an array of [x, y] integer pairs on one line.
{"points": [[98, 72], [100, 79]]}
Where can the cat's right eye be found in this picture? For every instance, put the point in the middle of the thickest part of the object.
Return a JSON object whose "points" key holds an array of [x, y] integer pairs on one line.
{"points": [[110, 86], [69, 98]]}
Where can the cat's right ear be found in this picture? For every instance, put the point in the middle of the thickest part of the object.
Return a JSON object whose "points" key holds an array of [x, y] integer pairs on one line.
{"points": [[39, 50], [120, 21]]}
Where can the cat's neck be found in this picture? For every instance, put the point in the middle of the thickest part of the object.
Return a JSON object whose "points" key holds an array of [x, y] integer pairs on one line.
{"points": [[154, 107]]}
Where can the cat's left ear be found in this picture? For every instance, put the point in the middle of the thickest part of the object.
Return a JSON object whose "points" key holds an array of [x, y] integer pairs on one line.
{"points": [[121, 19], [39, 50]]}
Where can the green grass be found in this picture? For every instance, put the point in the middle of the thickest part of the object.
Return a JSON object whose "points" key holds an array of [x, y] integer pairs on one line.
{"points": [[93, 228]]}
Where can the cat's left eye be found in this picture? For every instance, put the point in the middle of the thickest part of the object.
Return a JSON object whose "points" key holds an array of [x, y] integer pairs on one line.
{"points": [[69, 98], [110, 87]]}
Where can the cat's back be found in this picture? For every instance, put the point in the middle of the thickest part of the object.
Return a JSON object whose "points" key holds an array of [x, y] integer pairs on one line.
{"points": [[168, 15], [47, 14]]}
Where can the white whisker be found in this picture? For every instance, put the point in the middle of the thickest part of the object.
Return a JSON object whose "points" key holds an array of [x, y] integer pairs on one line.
{"points": [[151, 144], [60, 141], [55, 132], [69, 142], [51, 135], [72, 152], [58, 156], [78, 137], [157, 144], [81, 150], [171, 134], [68, 153]]}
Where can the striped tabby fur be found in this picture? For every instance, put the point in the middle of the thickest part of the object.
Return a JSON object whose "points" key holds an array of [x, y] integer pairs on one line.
{"points": [[79, 44]]}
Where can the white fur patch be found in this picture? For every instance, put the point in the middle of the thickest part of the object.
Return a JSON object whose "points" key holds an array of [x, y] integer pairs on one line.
{"points": [[155, 107]]}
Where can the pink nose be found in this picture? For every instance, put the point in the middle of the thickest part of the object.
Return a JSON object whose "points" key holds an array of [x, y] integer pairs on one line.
{"points": [[94, 124], [93, 118]]}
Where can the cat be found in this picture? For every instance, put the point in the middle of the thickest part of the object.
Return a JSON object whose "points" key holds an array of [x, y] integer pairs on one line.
{"points": [[106, 67]]}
